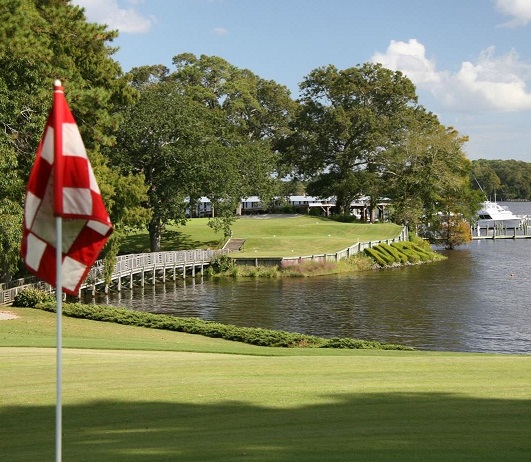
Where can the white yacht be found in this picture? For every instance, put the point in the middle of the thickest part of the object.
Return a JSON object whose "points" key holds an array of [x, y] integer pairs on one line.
{"points": [[493, 214]]}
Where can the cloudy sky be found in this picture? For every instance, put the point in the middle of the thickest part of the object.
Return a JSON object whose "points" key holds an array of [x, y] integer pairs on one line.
{"points": [[469, 59]]}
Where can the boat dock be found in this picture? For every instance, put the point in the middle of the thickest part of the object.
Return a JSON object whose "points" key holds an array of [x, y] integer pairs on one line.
{"points": [[502, 232]]}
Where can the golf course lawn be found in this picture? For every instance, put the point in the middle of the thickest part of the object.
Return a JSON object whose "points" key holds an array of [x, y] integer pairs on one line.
{"points": [[269, 236], [137, 394]]}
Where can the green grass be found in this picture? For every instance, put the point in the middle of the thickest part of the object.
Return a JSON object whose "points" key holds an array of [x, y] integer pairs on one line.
{"points": [[272, 237], [208, 399]]}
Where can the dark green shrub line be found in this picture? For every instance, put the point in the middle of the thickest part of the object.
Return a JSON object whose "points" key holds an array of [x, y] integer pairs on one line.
{"points": [[389, 259], [250, 335], [394, 252], [376, 256], [400, 253]]}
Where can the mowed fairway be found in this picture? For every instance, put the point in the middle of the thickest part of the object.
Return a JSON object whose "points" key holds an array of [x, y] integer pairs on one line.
{"points": [[272, 237], [208, 400], [305, 235]]}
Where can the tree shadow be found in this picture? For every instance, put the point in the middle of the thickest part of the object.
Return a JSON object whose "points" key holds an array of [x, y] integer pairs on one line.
{"points": [[170, 240], [364, 427]]}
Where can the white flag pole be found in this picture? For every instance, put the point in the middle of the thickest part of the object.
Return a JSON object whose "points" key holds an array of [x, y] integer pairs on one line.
{"points": [[59, 347], [58, 211]]}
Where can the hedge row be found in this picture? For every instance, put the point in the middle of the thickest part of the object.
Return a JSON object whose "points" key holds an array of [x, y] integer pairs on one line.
{"points": [[250, 335], [399, 253]]}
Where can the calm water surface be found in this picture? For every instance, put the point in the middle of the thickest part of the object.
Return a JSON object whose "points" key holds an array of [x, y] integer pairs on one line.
{"points": [[479, 300]]}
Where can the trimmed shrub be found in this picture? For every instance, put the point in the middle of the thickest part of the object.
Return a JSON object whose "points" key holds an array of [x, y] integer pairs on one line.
{"points": [[389, 259], [250, 335], [30, 297], [376, 256], [398, 256], [419, 242], [354, 344], [414, 252]]}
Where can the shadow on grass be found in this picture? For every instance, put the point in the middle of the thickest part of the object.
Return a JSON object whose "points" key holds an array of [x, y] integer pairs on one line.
{"points": [[365, 427], [170, 240]]}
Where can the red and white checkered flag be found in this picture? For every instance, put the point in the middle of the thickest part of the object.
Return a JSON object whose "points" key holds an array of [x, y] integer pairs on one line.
{"points": [[75, 197]]}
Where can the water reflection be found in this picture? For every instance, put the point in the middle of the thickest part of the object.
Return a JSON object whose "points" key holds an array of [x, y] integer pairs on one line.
{"points": [[477, 300]]}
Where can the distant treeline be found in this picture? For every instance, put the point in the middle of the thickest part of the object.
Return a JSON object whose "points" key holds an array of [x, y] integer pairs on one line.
{"points": [[505, 179]]}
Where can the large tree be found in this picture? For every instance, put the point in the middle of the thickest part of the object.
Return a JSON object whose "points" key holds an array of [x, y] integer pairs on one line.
{"points": [[428, 181], [427, 165], [206, 129], [347, 123], [44, 40], [360, 132], [260, 109], [186, 150]]}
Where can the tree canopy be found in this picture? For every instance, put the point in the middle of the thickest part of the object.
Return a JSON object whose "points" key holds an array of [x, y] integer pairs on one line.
{"points": [[502, 179], [41, 41], [159, 139], [347, 123], [206, 129], [360, 132]]}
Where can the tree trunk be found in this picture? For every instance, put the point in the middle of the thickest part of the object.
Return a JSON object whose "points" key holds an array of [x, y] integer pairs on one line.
{"points": [[155, 230], [372, 209]]}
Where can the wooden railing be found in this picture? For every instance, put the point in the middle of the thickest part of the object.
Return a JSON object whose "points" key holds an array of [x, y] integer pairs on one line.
{"points": [[129, 265], [126, 265]]}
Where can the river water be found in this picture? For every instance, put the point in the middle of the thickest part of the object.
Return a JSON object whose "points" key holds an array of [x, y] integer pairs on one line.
{"points": [[478, 300]]}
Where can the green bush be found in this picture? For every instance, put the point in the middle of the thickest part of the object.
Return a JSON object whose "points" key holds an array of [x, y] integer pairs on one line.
{"points": [[424, 255], [419, 242], [389, 259], [353, 344], [250, 335], [342, 218], [30, 297], [398, 256], [376, 256], [414, 253], [222, 264]]}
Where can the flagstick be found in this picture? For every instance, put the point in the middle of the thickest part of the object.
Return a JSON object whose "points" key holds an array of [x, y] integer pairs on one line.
{"points": [[58, 118], [59, 313], [38, 221]]}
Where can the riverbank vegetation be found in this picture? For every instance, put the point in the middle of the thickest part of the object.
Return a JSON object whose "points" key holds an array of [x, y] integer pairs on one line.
{"points": [[224, 266], [134, 393], [402, 253]]}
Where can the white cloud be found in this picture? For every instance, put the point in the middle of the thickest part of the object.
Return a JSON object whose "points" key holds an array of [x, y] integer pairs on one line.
{"points": [[410, 56], [491, 84], [220, 31], [126, 20], [518, 10]]}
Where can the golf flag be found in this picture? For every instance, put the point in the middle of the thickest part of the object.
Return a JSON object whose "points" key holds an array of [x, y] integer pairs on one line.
{"points": [[62, 184]]}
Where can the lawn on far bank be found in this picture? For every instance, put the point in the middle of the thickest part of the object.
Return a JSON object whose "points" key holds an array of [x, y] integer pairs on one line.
{"points": [[207, 399], [265, 236]]}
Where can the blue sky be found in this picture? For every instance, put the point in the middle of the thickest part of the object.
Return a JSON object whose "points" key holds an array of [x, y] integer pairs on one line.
{"points": [[469, 59]]}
